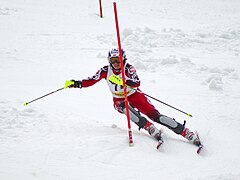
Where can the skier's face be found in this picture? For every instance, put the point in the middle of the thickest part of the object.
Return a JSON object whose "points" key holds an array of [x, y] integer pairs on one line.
{"points": [[115, 62]]}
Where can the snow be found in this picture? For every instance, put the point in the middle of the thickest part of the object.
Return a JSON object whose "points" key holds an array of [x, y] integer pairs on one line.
{"points": [[186, 54]]}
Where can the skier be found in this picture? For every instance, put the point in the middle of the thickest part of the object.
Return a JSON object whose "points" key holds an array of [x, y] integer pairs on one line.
{"points": [[139, 103]]}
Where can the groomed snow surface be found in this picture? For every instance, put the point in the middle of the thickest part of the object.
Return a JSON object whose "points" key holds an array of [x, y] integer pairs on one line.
{"points": [[187, 54]]}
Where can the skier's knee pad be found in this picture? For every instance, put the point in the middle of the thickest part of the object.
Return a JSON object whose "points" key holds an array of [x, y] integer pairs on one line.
{"points": [[135, 116], [171, 124]]}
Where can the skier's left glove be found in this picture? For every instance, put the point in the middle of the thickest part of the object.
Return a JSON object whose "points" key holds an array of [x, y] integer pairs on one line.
{"points": [[73, 84]]}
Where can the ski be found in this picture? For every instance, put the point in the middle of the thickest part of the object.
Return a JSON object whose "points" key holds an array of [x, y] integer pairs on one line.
{"points": [[160, 142], [199, 148]]}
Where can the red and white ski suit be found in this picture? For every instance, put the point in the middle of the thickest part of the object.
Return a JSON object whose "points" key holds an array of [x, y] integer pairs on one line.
{"points": [[135, 98]]}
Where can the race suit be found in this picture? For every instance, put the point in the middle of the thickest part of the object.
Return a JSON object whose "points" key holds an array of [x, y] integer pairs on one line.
{"points": [[136, 99]]}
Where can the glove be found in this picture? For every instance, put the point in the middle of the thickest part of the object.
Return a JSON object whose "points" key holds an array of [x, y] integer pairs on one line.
{"points": [[73, 84]]}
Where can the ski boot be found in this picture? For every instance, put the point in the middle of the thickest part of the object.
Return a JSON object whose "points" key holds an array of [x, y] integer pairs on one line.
{"points": [[154, 132], [191, 137]]}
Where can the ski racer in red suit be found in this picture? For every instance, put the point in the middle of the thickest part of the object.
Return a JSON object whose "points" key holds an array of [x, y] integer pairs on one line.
{"points": [[139, 103]]}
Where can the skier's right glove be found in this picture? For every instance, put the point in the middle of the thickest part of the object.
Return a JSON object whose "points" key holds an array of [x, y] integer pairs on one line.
{"points": [[73, 84]]}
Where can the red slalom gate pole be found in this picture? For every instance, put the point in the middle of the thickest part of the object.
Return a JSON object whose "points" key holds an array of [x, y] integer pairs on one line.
{"points": [[100, 4], [123, 77]]}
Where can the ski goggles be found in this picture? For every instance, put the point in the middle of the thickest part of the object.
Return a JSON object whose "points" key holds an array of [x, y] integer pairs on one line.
{"points": [[115, 60]]}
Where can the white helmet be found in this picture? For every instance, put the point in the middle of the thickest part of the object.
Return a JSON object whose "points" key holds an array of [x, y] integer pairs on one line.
{"points": [[114, 52]]}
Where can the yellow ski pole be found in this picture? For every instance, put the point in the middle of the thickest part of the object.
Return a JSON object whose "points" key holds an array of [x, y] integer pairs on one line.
{"points": [[26, 103], [67, 84]]}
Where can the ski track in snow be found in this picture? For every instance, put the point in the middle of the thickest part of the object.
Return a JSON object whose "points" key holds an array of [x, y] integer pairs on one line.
{"points": [[77, 135]]}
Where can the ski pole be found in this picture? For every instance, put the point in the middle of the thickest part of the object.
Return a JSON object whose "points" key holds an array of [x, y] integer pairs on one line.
{"points": [[117, 80], [26, 103], [188, 114]]}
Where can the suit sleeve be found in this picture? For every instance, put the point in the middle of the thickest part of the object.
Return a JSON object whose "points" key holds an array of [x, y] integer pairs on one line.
{"points": [[100, 74], [132, 77]]}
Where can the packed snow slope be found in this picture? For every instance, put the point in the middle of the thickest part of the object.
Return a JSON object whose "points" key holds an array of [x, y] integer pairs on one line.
{"points": [[187, 54]]}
